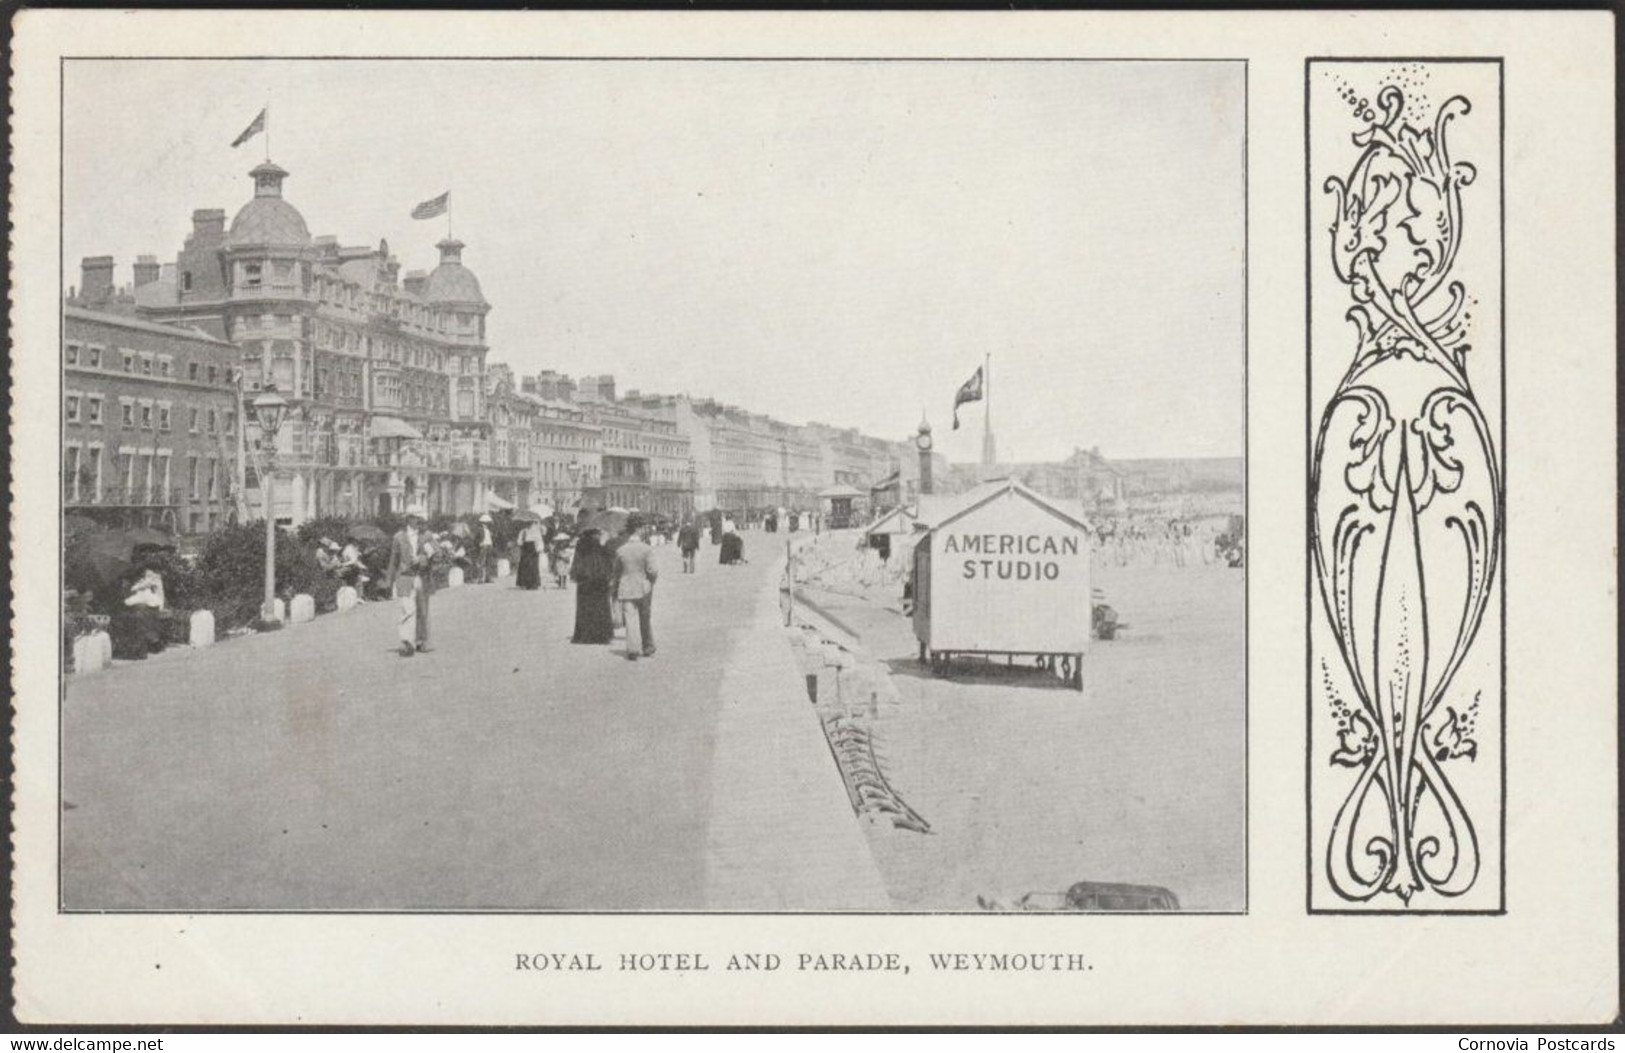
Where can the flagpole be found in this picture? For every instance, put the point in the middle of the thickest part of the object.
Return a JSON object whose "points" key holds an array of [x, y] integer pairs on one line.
{"points": [[987, 409], [268, 130]]}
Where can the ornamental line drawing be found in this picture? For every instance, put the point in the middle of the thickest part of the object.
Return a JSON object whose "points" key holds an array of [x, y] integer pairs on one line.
{"points": [[1406, 518]]}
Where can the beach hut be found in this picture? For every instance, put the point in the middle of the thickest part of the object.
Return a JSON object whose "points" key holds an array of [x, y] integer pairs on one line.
{"points": [[841, 500], [1003, 571]]}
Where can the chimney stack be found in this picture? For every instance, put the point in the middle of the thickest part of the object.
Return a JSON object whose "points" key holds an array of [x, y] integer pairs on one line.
{"points": [[96, 279], [414, 282], [209, 222], [146, 270]]}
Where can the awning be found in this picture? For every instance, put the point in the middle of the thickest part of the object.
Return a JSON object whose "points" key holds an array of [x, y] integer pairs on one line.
{"points": [[392, 428], [840, 490], [492, 501]]}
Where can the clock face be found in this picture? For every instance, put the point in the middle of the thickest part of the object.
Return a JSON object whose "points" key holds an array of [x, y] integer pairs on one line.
{"points": [[923, 441]]}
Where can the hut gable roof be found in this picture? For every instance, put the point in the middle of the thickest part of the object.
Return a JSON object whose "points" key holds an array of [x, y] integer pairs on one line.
{"points": [[992, 491]]}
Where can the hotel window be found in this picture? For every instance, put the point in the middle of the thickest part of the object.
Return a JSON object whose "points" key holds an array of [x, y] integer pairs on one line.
{"points": [[163, 416], [213, 423], [127, 412], [95, 358], [284, 270], [251, 275], [93, 409], [73, 409], [71, 472], [91, 471], [165, 365], [191, 425], [146, 414], [146, 365], [231, 421], [214, 475], [191, 478], [186, 281], [129, 362], [191, 371], [70, 354]]}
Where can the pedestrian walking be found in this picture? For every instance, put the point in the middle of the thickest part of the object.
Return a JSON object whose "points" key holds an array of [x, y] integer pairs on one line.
{"points": [[634, 583], [486, 547], [688, 542], [529, 575], [410, 578], [592, 569]]}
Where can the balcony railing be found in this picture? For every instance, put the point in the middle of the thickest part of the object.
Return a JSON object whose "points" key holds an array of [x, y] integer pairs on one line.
{"points": [[125, 497]]}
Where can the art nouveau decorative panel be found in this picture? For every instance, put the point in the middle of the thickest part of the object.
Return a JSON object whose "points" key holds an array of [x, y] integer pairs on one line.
{"points": [[1406, 486]]}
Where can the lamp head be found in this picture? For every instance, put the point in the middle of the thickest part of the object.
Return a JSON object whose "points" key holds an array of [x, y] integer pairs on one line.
{"points": [[269, 410]]}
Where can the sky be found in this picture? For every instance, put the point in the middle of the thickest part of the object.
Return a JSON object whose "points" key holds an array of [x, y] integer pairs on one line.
{"points": [[840, 242]]}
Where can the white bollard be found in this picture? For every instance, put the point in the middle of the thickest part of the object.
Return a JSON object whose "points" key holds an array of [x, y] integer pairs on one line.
{"points": [[279, 610], [304, 608], [201, 633], [502, 568], [81, 654], [454, 578], [346, 597], [92, 652]]}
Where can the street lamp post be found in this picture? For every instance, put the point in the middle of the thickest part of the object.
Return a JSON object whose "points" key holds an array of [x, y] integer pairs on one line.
{"points": [[269, 408], [575, 474]]}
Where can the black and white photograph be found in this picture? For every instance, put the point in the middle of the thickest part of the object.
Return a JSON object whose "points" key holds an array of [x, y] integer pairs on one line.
{"points": [[653, 486]]}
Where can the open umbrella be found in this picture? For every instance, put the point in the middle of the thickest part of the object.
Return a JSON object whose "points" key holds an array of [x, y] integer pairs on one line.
{"points": [[611, 522], [105, 558], [366, 532], [528, 516], [146, 538]]}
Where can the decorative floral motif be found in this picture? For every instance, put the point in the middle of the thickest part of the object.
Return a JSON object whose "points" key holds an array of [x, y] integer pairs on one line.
{"points": [[1407, 512]]}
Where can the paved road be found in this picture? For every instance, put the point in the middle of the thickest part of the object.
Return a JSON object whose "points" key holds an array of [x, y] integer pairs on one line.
{"points": [[314, 768]]}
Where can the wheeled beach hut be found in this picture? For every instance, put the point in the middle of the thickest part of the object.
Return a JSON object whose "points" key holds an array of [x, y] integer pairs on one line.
{"points": [[1004, 572]]}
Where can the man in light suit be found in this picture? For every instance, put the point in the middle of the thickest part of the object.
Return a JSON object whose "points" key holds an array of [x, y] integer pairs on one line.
{"points": [[410, 580], [633, 585]]}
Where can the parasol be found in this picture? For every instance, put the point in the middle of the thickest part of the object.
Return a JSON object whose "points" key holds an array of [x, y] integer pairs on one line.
{"points": [[104, 559], [366, 532], [612, 522]]}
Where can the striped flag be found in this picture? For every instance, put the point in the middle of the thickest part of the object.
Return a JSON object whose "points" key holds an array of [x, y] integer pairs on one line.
{"points": [[435, 206], [254, 128], [969, 391]]}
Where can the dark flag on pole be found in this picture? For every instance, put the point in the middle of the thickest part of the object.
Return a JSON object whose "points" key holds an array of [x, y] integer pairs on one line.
{"points": [[969, 391], [254, 128], [435, 206]]}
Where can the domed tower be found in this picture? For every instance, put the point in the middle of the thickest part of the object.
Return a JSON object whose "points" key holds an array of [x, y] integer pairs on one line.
{"points": [[267, 259], [453, 291]]}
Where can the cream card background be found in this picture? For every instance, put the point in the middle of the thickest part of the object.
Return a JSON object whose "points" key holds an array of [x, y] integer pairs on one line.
{"points": [[1552, 957]]}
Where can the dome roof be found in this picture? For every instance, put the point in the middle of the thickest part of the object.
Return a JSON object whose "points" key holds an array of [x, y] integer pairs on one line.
{"points": [[451, 282], [268, 221]]}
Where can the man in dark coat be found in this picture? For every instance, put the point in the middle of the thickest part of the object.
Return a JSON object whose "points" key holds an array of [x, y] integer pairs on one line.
{"points": [[688, 543]]}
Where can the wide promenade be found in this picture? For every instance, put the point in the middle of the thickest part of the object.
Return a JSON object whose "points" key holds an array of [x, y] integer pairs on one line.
{"points": [[314, 768]]}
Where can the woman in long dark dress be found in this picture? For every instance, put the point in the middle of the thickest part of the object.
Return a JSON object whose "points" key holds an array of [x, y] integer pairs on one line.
{"points": [[591, 571], [529, 575]]}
